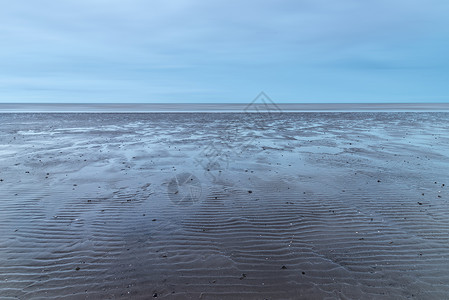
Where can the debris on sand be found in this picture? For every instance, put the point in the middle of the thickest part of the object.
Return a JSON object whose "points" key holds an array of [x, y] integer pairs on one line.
{"points": [[283, 267]]}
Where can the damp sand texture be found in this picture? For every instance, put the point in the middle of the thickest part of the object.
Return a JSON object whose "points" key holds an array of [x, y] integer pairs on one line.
{"points": [[224, 206]]}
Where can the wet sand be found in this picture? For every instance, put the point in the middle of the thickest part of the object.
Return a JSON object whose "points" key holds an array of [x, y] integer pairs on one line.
{"points": [[224, 206]]}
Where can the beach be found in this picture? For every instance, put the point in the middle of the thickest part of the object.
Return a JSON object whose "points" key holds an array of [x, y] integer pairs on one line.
{"points": [[316, 205]]}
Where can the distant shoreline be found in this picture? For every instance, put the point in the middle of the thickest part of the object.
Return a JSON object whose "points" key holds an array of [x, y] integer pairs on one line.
{"points": [[219, 107]]}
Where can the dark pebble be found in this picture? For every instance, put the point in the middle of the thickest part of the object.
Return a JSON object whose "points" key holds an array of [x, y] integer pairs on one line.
{"points": [[284, 267], [420, 203], [250, 192], [77, 268]]}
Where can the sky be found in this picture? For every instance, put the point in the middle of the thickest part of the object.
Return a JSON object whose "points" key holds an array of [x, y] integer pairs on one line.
{"points": [[221, 51]]}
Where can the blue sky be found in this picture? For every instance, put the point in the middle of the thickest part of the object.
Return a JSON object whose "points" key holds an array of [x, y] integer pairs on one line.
{"points": [[224, 51]]}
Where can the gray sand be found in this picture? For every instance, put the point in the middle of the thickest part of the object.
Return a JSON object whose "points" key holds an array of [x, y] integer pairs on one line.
{"points": [[224, 206]]}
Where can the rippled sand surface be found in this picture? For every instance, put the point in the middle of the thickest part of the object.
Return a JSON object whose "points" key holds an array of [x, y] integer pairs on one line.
{"points": [[224, 206]]}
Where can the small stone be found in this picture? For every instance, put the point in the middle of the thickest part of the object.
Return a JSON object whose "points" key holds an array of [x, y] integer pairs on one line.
{"points": [[303, 273], [154, 295], [284, 267], [419, 203], [77, 268], [250, 192]]}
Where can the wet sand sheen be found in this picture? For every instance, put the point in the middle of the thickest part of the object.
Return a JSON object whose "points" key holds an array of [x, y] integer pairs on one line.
{"points": [[304, 205]]}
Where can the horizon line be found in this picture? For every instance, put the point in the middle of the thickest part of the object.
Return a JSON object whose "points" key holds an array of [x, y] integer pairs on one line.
{"points": [[252, 107]]}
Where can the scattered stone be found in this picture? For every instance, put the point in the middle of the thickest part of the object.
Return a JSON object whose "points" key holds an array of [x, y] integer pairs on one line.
{"points": [[420, 203], [250, 192], [154, 295], [378, 180], [284, 267], [303, 273], [243, 276], [154, 220], [77, 268]]}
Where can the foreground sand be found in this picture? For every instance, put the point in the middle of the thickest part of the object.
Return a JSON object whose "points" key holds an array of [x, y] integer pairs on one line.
{"points": [[287, 206]]}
